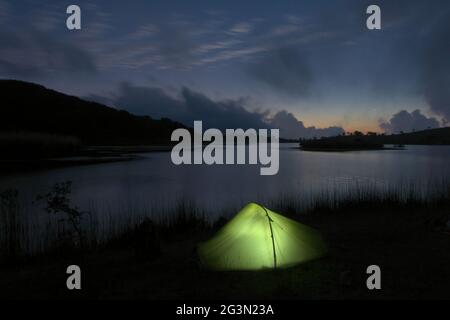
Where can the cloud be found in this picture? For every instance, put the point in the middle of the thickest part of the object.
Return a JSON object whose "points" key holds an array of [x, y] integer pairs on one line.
{"points": [[145, 31], [436, 65], [4, 11], [292, 128], [243, 27], [37, 44], [152, 101], [182, 43], [47, 17], [407, 122], [176, 45], [35, 53], [284, 30], [285, 70], [178, 42], [417, 52], [188, 105]]}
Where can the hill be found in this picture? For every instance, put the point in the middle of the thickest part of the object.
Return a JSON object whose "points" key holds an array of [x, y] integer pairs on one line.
{"points": [[28, 107], [440, 136]]}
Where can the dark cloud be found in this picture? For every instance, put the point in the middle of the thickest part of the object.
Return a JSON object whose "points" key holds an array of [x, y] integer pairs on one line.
{"points": [[151, 101], [285, 70], [35, 53], [292, 128], [409, 56], [175, 45], [407, 122], [221, 114], [188, 106], [325, 50], [416, 51], [436, 65]]}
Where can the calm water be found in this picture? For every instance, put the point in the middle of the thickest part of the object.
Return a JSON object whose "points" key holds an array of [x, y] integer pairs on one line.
{"points": [[154, 182]]}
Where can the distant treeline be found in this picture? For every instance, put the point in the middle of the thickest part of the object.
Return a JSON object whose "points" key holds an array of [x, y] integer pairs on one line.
{"points": [[358, 140], [32, 145], [27, 107]]}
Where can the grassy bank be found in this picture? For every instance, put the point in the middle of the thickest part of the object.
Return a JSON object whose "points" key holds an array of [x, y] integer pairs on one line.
{"points": [[32, 145], [26, 151], [408, 238]]}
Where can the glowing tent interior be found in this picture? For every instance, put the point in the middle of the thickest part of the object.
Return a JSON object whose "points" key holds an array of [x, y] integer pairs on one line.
{"points": [[257, 238]]}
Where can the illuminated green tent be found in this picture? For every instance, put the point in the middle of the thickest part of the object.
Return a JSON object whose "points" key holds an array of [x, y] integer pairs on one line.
{"points": [[257, 238]]}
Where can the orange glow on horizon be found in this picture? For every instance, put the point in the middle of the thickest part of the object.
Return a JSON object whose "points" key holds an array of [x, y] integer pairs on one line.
{"points": [[366, 125]]}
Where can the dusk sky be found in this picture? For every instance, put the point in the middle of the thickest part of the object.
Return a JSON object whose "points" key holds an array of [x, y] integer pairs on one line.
{"points": [[242, 63]]}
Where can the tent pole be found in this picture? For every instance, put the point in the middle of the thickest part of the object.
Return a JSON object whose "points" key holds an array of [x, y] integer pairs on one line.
{"points": [[273, 239]]}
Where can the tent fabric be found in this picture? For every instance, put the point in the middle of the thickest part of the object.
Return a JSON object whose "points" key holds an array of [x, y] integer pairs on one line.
{"points": [[258, 238]]}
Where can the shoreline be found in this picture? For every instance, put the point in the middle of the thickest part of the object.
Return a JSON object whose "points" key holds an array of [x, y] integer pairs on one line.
{"points": [[88, 156], [349, 149]]}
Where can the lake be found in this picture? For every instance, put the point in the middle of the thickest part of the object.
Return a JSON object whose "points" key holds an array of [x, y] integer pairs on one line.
{"points": [[154, 184]]}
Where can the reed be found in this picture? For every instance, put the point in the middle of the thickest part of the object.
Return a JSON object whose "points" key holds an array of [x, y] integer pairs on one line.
{"points": [[22, 235]]}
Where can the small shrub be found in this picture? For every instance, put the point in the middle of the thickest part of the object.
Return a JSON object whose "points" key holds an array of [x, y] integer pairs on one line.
{"points": [[58, 203]]}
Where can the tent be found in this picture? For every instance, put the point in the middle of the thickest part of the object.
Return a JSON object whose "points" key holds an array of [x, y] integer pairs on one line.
{"points": [[257, 238]]}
